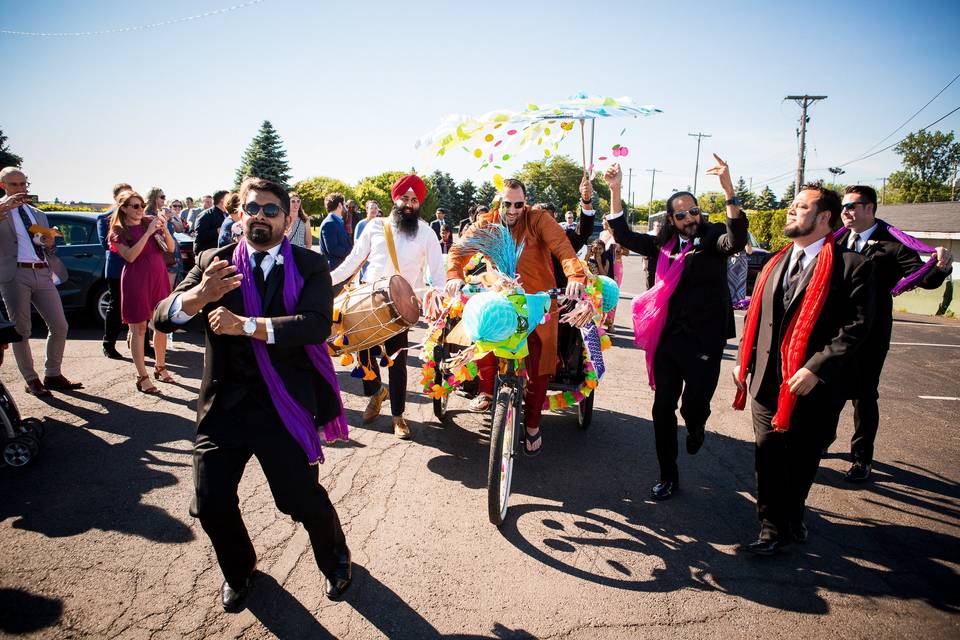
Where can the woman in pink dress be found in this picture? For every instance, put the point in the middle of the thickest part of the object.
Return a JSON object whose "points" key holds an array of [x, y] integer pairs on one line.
{"points": [[143, 283]]}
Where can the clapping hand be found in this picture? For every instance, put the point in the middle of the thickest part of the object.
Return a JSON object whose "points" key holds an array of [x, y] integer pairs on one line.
{"points": [[722, 169]]}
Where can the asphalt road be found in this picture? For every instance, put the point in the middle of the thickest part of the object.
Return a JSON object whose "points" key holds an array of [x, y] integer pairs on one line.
{"points": [[96, 540]]}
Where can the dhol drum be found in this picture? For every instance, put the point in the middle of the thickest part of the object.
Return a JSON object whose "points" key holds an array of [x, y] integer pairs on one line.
{"points": [[370, 313]]}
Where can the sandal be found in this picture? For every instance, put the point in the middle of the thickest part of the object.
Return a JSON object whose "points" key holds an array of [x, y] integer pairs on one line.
{"points": [[143, 388], [481, 403], [161, 374], [530, 440]]}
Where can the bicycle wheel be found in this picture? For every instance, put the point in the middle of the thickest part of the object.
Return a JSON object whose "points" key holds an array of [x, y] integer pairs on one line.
{"points": [[585, 411], [503, 436]]}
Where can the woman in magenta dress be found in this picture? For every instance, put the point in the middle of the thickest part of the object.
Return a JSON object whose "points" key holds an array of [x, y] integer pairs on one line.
{"points": [[143, 283]]}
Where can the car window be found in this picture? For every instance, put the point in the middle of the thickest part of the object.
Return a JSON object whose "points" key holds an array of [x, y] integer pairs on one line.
{"points": [[74, 232]]}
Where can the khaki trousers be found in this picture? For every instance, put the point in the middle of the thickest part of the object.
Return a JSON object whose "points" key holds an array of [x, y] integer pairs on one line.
{"points": [[34, 287]]}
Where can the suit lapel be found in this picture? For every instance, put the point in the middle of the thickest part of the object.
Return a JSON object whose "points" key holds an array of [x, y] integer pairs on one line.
{"points": [[773, 283], [801, 286]]}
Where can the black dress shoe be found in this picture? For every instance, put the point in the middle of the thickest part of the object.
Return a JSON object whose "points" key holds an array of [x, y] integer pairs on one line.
{"points": [[694, 439], [111, 352], [764, 546], [233, 599], [664, 489], [859, 472], [336, 585], [799, 533]]}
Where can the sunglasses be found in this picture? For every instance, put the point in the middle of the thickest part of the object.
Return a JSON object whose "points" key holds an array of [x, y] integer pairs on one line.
{"points": [[136, 206], [269, 210], [680, 215], [162, 197], [850, 206], [506, 204]]}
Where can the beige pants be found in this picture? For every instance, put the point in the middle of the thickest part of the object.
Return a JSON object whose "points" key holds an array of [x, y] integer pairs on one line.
{"points": [[35, 287]]}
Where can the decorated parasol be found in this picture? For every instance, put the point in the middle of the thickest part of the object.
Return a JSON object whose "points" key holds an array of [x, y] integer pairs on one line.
{"points": [[497, 137]]}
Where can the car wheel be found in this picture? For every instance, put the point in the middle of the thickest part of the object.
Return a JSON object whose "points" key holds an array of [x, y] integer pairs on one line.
{"points": [[99, 301]]}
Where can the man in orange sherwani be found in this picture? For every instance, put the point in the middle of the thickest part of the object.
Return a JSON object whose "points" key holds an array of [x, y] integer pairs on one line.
{"points": [[542, 237]]}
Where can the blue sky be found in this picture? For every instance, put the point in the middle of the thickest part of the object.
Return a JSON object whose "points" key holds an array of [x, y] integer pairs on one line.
{"points": [[350, 86]]}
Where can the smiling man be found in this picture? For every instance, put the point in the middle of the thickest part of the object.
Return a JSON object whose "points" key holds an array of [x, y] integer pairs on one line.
{"points": [[809, 313], [268, 387], [893, 261]]}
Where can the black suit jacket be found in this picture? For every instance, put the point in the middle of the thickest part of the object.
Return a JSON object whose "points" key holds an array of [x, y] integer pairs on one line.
{"points": [[700, 307], [436, 224], [892, 261], [229, 366], [208, 229], [577, 237], [841, 328]]}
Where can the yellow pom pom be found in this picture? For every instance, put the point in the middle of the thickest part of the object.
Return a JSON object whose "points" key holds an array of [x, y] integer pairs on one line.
{"points": [[346, 359]]}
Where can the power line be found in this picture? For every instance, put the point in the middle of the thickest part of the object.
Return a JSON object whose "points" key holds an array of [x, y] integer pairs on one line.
{"points": [[914, 115], [944, 117], [154, 25]]}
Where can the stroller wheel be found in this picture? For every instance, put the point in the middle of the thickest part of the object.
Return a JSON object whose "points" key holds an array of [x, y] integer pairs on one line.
{"points": [[34, 426], [19, 451]]}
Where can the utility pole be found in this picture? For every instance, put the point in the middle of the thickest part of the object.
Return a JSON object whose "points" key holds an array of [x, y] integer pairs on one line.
{"points": [[630, 184], [883, 190], [953, 185], [653, 179], [696, 169], [804, 101]]}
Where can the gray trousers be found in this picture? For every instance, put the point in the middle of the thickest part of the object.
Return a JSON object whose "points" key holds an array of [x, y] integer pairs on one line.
{"points": [[34, 287]]}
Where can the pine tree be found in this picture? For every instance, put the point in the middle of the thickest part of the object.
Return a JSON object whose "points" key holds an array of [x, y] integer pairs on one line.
{"points": [[747, 198], [767, 199], [265, 158], [789, 195], [486, 194], [7, 158]]}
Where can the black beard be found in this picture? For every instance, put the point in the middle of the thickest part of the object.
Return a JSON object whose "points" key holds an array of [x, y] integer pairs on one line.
{"points": [[260, 235], [407, 220], [796, 231]]}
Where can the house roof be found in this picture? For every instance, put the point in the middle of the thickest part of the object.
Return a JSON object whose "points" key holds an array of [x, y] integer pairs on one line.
{"points": [[929, 217]]}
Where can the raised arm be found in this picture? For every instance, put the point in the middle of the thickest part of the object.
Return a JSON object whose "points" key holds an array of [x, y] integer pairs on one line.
{"points": [[642, 243], [736, 237]]}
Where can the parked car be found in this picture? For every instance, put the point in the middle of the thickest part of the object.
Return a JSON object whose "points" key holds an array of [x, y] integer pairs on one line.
{"points": [[83, 256], [755, 261]]}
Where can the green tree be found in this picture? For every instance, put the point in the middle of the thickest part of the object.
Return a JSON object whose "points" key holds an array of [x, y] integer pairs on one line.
{"points": [[557, 180], [789, 195], [7, 157], [766, 200], [378, 188], [467, 197], [929, 156], [445, 189], [486, 193], [264, 158], [712, 202], [312, 191], [747, 197]]}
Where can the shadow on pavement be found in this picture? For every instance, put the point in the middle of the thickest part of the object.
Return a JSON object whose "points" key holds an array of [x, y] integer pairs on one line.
{"points": [[23, 612], [607, 531], [81, 482]]}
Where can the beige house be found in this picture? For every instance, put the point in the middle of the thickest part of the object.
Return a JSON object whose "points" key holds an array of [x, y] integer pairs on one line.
{"points": [[937, 224]]}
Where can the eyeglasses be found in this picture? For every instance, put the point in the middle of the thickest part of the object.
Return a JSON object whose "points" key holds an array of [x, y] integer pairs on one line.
{"points": [[176, 206], [270, 210], [850, 206], [134, 206], [680, 215], [506, 204]]}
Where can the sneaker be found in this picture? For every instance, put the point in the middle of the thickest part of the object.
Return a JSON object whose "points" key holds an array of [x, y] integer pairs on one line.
{"points": [[372, 412]]}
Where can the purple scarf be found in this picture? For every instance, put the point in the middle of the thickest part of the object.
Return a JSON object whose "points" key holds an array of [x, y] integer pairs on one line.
{"points": [[650, 308], [297, 420], [911, 281]]}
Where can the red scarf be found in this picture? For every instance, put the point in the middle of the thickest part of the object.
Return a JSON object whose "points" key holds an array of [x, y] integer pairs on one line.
{"points": [[793, 348]]}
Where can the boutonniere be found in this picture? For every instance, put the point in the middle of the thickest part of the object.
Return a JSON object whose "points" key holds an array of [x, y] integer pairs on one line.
{"points": [[870, 243], [279, 259], [696, 242]]}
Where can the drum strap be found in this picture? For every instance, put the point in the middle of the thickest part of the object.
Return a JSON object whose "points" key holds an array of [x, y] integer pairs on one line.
{"points": [[391, 248]]}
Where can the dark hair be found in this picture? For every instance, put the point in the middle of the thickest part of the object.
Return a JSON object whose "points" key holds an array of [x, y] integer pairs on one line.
{"points": [[232, 202], [218, 196], [513, 183], [150, 206], [119, 188], [302, 214], [260, 184], [679, 194], [443, 228], [829, 200], [483, 209], [332, 201], [206, 196], [547, 206], [868, 193], [441, 210]]}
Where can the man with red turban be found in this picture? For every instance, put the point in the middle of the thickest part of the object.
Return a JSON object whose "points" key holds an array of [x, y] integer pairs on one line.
{"points": [[415, 250]]}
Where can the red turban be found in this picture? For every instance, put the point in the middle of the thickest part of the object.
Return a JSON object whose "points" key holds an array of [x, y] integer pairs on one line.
{"points": [[404, 184]]}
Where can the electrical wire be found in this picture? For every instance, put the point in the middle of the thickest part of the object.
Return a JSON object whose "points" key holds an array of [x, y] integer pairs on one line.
{"points": [[155, 25]]}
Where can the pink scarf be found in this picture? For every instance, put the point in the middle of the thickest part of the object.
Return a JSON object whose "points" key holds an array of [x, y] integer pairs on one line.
{"points": [[650, 308]]}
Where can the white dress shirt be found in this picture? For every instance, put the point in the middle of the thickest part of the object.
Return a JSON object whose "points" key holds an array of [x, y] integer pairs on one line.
{"points": [[177, 316], [414, 255], [809, 253], [861, 238], [25, 250]]}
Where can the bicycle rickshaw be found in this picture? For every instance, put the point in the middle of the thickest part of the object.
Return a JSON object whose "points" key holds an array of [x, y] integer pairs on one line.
{"points": [[493, 314]]}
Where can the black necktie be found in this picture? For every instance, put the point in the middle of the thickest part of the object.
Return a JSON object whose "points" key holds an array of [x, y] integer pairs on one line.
{"points": [[258, 277], [37, 249], [854, 237], [793, 278]]}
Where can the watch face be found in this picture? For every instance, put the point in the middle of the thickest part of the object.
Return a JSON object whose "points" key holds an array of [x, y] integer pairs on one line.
{"points": [[250, 326]]}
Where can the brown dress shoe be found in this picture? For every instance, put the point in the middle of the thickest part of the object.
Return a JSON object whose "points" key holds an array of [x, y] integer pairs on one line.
{"points": [[59, 383], [400, 428], [373, 406], [36, 388]]}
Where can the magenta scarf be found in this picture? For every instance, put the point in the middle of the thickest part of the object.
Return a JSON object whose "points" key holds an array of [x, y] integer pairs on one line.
{"points": [[911, 281], [296, 419], [650, 308]]}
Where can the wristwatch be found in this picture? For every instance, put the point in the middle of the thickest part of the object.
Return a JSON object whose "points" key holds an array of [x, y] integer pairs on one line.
{"points": [[250, 326], [734, 202]]}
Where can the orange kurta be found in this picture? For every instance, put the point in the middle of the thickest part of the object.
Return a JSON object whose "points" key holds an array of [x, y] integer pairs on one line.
{"points": [[542, 236]]}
